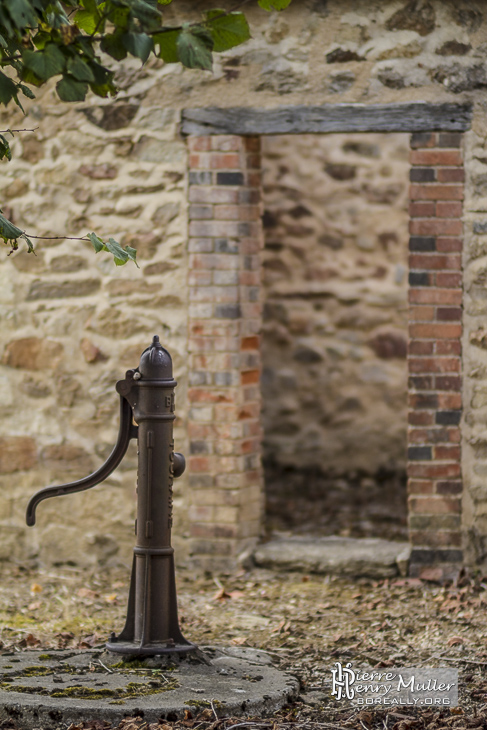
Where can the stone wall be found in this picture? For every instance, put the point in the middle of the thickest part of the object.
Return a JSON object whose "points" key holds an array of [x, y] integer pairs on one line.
{"points": [[71, 322], [335, 329]]}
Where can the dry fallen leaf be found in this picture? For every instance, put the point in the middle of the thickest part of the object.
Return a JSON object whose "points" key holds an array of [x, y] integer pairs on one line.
{"points": [[454, 640], [35, 588]]}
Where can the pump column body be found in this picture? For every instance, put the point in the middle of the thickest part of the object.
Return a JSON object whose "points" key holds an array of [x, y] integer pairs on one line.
{"points": [[152, 625]]}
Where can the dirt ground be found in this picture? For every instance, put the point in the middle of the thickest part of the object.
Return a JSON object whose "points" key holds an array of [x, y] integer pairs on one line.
{"points": [[306, 622]]}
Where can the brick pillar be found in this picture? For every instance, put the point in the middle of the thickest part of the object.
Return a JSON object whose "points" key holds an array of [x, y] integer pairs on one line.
{"points": [[435, 328], [225, 240]]}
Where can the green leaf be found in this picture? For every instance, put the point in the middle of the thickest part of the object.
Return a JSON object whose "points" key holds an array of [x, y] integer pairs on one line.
{"points": [[30, 245], [69, 89], [194, 48], [8, 231], [46, 63], [103, 85], [164, 2], [138, 44], [132, 254], [8, 90], [227, 30], [120, 255], [274, 4], [26, 91], [21, 12], [5, 150], [87, 20], [113, 45], [98, 244], [80, 69], [168, 45]]}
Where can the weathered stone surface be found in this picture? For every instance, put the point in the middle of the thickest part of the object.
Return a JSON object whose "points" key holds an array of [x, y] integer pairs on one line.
{"points": [[369, 558], [341, 81], [387, 345], [90, 351], [67, 264], [238, 681], [66, 458], [99, 172], [146, 243], [457, 78], [17, 453], [334, 342], [16, 189], [453, 48], [45, 289], [418, 15], [32, 353], [112, 116]]}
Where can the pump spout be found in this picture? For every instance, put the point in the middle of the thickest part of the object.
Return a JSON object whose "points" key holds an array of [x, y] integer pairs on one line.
{"points": [[127, 432]]}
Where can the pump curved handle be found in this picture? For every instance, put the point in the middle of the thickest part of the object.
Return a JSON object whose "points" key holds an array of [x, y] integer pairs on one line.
{"points": [[127, 432]]}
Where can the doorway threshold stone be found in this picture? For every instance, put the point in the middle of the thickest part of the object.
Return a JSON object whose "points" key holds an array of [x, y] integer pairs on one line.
{"points": [[343, 556]]}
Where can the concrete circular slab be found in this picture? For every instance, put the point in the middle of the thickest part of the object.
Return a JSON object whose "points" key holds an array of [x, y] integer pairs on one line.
{"points": [[57, 687]]}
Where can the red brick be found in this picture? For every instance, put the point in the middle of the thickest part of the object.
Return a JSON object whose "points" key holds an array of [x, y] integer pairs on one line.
{"points": [[436, 435], [449, 347], [436, 192], [250, 376], [199, 160], [450, 175], [423, 401], [435, 227], [435, 296], [420, 382], [250, 343], [449, 210], [449, 314], [417, 486], [254, 179], [448, 281], [434, 365], [201, 431], [448, 382], [433, 538], [419, 347], [421, 418], [420, 140], [430, 470], [227, 212], [209, 395], [447, 453], [199, 278], [250, 278], [437, 331], [200, 464], [426, 261], [211, 194], [449, 245], [254, 162], [227, 143], [252, 144], [424, 158], [434, 506], [224, 161], [421, 314], [449, 487], [449, 401], [199, 144], [454, 435], [422, 210]]}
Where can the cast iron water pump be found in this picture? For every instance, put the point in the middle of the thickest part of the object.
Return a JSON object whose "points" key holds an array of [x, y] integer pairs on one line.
{"points": [[146, 397]]}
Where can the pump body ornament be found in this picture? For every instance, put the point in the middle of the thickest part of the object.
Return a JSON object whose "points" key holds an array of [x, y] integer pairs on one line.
{"points": [[146, 397]]}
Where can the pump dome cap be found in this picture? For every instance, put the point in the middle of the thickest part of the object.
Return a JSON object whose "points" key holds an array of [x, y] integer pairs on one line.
{"points": [[155, 362]]}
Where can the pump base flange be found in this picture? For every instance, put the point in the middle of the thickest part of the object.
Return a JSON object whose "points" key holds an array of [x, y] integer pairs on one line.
{"points": [[134, 648]]}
